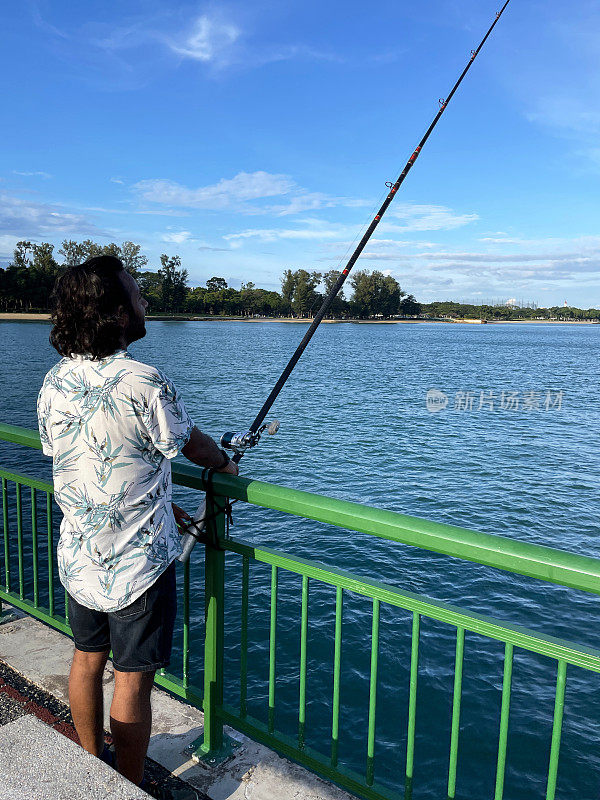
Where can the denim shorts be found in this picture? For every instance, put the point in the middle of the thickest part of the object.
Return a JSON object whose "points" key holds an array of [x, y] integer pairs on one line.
{"points": [[139, 635]]}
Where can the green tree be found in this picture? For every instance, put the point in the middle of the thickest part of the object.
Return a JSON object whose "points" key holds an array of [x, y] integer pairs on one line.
{"points": [[173, 283], [72, 252], [409, 306], [91, 249], [133, 259], [22, 255], [111, 249], [195, 300], [305, 298], [150, 284], [216, 284], [288, 284], [339, 306], [375, 294], [43, 273]]}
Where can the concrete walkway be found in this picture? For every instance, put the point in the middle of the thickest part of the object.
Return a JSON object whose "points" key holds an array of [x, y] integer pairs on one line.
{"points": [[38, 763], [43, 656]]}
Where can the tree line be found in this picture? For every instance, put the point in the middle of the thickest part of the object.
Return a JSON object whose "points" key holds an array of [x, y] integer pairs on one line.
{"points": [[26, 285], [448, 308]]}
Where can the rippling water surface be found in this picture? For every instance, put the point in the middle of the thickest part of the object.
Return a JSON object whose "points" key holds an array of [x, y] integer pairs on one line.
{"points": [[355, 426]]}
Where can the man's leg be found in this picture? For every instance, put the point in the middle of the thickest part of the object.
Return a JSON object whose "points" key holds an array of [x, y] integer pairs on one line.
{"points": [[130, 721], [85, 698]]}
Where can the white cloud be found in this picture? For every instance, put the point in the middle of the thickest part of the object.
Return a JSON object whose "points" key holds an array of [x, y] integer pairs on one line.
{"points": [[176, 237], [207, 40], [7, 244], [36, 174], [211, 38], [117, 180], [277, 234], [426, 218], [227, 192], [23, 218], [500, 240], [245, 192]]}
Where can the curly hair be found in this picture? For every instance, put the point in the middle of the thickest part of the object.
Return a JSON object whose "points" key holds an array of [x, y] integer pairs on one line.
{"points": [[88, 304]]}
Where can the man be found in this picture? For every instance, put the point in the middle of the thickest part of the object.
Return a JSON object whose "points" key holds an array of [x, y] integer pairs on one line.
{"points": [[111, 425]]}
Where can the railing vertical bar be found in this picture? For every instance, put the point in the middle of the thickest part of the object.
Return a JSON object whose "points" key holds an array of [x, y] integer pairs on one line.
{"points": [[337, 662], [412, 706], [186, 624], [458, 667], [373, 694], [20, 542], [244, 638], [6, 534], [559, 707], [303, 647], [50, 553], [504, 712], [214, 630], [34, 545], [272, 648]]}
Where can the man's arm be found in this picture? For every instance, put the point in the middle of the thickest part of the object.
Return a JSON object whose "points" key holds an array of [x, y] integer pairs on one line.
{"points": [[204, 451]]}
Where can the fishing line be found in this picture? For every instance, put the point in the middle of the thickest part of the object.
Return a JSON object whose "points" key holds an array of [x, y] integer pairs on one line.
{"points": [[239, 443], [393, 188]]}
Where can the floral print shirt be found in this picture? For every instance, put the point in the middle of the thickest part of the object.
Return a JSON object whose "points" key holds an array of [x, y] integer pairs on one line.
{"points": [[111, 427]]}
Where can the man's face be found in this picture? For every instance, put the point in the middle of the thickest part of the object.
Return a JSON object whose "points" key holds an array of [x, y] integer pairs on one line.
{"points": [[135, 327]]}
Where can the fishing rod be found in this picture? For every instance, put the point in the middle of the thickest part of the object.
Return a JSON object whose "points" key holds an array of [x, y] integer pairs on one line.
{"points": [[239, 443]]}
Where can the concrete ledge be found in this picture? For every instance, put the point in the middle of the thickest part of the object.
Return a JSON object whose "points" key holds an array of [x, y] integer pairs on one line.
{"points": [[39, 763], [43, 656]]}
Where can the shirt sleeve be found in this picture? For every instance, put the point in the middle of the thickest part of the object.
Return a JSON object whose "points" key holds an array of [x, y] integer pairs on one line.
{"points": [[43, 414], [169, 424]]}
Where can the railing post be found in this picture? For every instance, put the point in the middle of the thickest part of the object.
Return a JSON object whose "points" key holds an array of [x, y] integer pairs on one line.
{"points": [[214, 746], [214, 596]]}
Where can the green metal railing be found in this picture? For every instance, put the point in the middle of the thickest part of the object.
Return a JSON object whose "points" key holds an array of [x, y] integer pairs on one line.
{"points": [[555, 566]]}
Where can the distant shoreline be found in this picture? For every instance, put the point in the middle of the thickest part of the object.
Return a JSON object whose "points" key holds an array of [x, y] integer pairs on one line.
{"points": [[17, 316]]}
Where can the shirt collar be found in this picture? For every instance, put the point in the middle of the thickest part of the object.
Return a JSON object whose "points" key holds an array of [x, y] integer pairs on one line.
{"points": [[87, 357]]}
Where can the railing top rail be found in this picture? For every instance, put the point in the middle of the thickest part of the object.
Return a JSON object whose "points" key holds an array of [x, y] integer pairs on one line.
{"points": [[534, 561]]}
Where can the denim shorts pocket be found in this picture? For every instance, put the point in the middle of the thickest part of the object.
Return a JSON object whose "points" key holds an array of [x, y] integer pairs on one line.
{"points": [[137, 607]]}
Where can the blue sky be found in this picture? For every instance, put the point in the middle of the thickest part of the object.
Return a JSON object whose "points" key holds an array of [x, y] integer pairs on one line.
{"points": [[252, 137]]}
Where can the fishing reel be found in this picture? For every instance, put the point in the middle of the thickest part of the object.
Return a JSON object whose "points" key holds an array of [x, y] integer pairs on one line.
{"points": [[240, 442]]}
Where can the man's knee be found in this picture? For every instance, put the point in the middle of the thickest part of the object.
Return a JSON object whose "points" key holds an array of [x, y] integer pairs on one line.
{"points": [[134, 683], [89, 663]]}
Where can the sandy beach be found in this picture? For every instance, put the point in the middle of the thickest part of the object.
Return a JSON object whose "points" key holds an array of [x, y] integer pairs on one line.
{"points": [[9, 316]]}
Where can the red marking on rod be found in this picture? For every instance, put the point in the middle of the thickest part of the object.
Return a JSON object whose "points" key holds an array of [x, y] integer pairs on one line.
{"points": [[377, 216], [345, 271]]}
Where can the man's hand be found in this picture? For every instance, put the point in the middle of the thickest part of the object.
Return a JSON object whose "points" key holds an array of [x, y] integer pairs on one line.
{"points": [[204, 451], [231, 469], [182, 518]]}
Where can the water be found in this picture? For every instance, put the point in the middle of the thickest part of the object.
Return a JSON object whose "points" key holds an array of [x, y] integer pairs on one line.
{"points": [[355, 426]]}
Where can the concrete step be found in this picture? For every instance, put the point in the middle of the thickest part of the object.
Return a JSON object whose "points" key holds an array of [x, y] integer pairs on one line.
{"points": [[38, 763]]}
